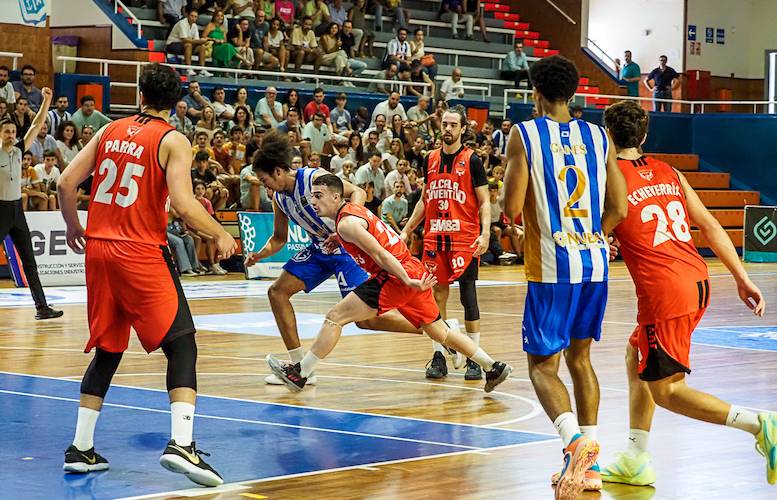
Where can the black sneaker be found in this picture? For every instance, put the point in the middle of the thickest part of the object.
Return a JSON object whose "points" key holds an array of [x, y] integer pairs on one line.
{"points": [[436, 367], [473, 372], [289, 373], [46, 312], [496, 375], [80, 462], [187, 460]]}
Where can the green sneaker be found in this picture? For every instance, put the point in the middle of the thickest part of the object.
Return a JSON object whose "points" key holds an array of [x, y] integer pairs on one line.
{"points": [[766, 444], [630, 469]]}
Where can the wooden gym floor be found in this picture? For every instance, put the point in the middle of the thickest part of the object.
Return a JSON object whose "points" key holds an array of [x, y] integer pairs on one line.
{"points": [[369, 375]]}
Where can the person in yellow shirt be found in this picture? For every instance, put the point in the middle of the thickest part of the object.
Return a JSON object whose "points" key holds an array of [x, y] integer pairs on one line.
{"points": [[201, 143]]}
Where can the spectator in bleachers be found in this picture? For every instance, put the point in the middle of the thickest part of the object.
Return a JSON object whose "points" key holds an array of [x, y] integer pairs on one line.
{"points": [[392, 156], [202, 143], [317, 105], [346, 173], [224, 112], [242, 119], [43, 143], [487, 156], [314, 160], [236, 149], [7, 92], [452, 11], [453, 86], [84, 194], [67, 142], [500, 138], [394, 207], [515, 65], [26, 88], [255, 142], [331, 54], [48, 174], [497, 175], [317, 133], [269, 111], [371, 172], [665, 79], [389, 108], [207, 122], [337, 12], [60, 113], [473, 7], [630, 74], [371, 144], [421, 118], [418, 53], [22, 116], [296, 162], [87, 114], [436, 120], [169, 12], [222, 156], [240, 37], [184, 38], [340, 117], [399, 174], [182, 245], [294, 143], [241, 98], [195, 100], [266, 7], [403, 75], [291, 123], [255, 34], [243, 9], [390, 73], [356, 149], [292, 101], [361, 119], [304, 46], [253, 194], [202, 172], [181, 122], [576, 111], [4, 114], [274, 43], [399, 129], [501, 225], [261, 24], [419, 75], [342, 156], [398, 50], [33, 197], [415, 155], [372, 202], [87, 132], [286, 11], [485, 133], [224, 51], [349, 42], [384, 134], [356, 16]]}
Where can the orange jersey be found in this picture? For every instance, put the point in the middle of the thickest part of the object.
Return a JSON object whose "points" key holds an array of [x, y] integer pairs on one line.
{"points": [[656, 245], [386, 236], [130, 187], [451, 203]]}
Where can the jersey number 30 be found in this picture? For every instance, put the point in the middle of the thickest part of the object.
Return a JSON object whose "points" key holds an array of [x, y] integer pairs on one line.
{"points": [[127, 194], [679, 231]]}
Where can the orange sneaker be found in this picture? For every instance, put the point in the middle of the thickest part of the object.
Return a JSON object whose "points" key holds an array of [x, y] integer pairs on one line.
{"points": [[593, 479], [579, 456]]}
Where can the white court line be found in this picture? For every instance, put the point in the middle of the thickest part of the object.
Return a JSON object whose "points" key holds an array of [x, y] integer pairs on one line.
{"points": [[258, 422], [348, 468]]}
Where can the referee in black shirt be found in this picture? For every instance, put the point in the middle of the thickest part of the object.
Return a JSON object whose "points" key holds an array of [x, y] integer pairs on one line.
{"points": [[12, 220]]}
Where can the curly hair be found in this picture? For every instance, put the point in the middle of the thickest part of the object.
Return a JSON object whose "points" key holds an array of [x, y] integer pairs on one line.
{"points": [[274, 153], [160, 86], [555, 77], [627, 123]]}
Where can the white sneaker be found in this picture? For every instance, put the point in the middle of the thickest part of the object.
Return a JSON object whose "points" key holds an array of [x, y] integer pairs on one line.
{"points": [[508, 256], [206, 74], [458, 359], [217, 269], [272, 379], [190, 73]]}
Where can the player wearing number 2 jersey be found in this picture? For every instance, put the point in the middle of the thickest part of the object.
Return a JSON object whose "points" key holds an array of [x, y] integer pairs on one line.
{"points": [[138, 162], [672, 294], [563, 175]]}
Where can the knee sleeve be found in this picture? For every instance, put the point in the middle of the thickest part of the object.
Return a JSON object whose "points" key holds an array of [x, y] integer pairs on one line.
{"points": [[469, 299], [181, 356], [98, 376]]}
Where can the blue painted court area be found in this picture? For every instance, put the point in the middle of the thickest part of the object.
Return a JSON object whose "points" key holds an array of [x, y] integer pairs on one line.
{"points": [[758, 338], [248, 440], [263, 323]]}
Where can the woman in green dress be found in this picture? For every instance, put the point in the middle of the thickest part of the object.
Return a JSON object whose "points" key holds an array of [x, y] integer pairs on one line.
{"points": [[224, 53]]}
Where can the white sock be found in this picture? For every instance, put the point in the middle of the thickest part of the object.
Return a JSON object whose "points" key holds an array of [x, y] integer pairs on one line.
{"points": [[483, 359], [296, 355], [638, 441], [589, 431], [566, 425], [182, 420], [308, 364], [475, 336], [739, 418], [87, 419], [438, 347]]}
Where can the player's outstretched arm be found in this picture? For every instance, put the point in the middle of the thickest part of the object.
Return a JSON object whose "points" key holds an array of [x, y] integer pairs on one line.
{"points": [[723, 248], [615, 205], [176, 156], [280, 236], [516, 180], [415, 217]]}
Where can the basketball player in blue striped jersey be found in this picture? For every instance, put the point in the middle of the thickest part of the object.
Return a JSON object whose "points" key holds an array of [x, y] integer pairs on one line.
{"points": [[322, 259], [563, 175]]}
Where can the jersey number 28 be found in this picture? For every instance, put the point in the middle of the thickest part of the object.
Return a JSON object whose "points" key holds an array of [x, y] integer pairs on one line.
{"points": [[127, 194], [679, 231]]}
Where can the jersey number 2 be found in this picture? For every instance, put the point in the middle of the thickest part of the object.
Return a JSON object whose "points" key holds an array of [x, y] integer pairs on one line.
{"points": [[576, 194], [680, 230], [128, 182]]}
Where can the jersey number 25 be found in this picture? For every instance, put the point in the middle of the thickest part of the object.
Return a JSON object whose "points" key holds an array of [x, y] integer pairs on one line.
{"points": [[127, 193]]}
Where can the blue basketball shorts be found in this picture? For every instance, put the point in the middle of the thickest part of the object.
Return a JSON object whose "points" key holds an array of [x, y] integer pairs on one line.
{"points": [[312, 267], [555, 313]]}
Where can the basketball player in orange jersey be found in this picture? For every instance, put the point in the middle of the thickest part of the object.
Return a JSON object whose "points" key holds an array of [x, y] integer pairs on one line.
{"points": [[673, 292], [131, 280], [397, 281], [457, 210]]}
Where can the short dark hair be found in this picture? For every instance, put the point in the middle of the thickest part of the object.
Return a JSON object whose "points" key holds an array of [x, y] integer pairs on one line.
{"points": [[461, 111], [331, 181], [319, 114], [216, 89], [7, 121], [627, 123], [3, 66], [376, 153], [202, 156], [305, 18], [341, 95], [198, 182], [192, 9], [28, 67], [274, 153], [86, 99], [22, 98], [317, 90], [161, 86], [660, 57], [627, 52], [493, 185], [402, 29], [234, 129], [49, 153], [555, 77], [60, 96], [201, 132], [28, 152]]}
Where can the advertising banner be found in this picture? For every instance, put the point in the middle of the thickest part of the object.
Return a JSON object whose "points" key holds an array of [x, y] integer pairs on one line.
{"points": [[760, 234], [255, 229], [27, 12]]}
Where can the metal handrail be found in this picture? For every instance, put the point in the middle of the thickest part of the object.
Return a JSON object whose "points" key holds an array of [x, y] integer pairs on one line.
{"points": [[136, 21], [561, 12], [693, 104], [605, 54], [14, 56]]}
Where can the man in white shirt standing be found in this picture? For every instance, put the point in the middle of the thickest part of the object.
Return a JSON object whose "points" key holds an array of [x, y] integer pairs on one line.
{"points": [[184, 38], [389, 108], [453, 87], [6, 89], [269, 112]]}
